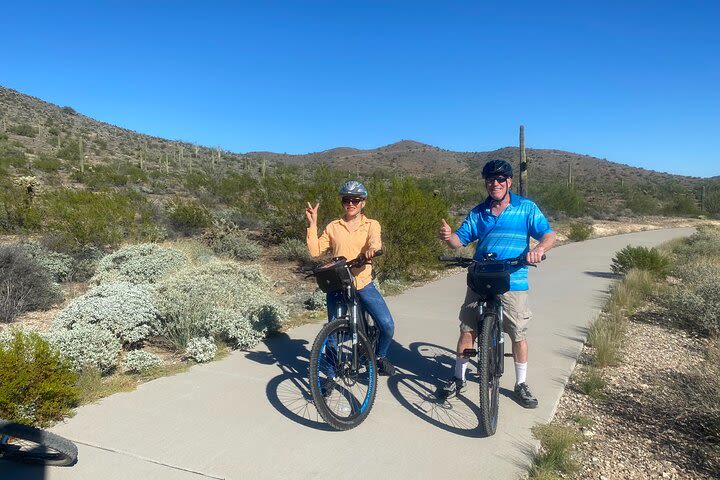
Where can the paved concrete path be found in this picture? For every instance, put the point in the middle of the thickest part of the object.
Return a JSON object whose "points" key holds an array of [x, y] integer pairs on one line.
{"points": [[249, 416]]}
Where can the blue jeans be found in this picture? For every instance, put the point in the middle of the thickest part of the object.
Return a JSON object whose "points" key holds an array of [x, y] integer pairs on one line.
{"points": [[375, 305]]}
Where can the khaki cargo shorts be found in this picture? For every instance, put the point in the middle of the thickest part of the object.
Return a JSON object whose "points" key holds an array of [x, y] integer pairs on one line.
{"points": [[516, 313]]}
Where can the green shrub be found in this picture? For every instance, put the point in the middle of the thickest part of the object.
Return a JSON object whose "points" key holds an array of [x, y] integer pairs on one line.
{"points": [[592, 383], [294, 250], [24, 129], [87, 346], [556, 444], [579, 232], [409, 217], [559, 199], [642, 203], [681, 205], [142, 263], [37, 386], [69, 150], [139, 361], [189, 216], [228, 240], [606, 335], [47, 164], [81, 217], [17, 212], [116, 174], [24, 284], [124, 309], [642, 258]]}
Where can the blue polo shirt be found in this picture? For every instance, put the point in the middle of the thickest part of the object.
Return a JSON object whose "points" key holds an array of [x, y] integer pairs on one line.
{"points": [[508, 235]]}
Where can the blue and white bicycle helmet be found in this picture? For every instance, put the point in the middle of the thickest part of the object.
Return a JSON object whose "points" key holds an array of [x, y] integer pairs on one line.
{"points": [[353, 188]]}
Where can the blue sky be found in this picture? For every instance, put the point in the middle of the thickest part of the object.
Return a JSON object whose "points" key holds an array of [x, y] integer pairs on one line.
{"points": [[636, 82]]}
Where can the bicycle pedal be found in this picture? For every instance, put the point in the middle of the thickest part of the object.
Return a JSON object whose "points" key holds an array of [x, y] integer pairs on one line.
{"points": [[469, 352], [508, 354]]}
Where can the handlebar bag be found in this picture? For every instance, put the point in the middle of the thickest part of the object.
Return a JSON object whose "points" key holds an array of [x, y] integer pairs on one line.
{"points": [[333, 276], [488, 281]]}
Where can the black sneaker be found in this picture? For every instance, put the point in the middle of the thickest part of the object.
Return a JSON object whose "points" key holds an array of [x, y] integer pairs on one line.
{"points": [[452, 388], [385, 367], [524, 396], [328, 387]]}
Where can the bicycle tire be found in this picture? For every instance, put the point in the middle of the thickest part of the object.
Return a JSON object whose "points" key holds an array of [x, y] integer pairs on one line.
{"points": [[487, 368], [350, 402], [28, 444]]}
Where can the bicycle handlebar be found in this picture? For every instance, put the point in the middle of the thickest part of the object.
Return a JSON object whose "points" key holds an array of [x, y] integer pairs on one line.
{"points": [[358, 261], [519, 261]]}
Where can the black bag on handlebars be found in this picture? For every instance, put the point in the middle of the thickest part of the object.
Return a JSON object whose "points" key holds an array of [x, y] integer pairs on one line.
{"points": [[333, 276], [488, 281]]}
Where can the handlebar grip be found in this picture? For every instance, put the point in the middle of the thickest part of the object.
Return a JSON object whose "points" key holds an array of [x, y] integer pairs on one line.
{"points": [[379, 252]]}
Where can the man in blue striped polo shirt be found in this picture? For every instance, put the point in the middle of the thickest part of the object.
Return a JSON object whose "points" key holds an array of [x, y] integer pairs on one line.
{"points": [[503, 225]]}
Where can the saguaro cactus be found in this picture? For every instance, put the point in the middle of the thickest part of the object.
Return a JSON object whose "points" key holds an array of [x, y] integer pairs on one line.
{"points": [[82, 155], [523, 164]]}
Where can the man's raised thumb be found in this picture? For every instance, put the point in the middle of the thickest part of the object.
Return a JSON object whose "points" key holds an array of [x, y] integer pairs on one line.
{"points": [[444, 223]]}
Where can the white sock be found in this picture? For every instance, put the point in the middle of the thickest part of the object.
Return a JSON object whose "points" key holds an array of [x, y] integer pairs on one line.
{"points": [[520, 373], [461, 364]]}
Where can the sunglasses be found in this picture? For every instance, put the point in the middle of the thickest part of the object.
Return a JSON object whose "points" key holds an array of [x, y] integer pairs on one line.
{"points": [[499, 179], [354, 201]]}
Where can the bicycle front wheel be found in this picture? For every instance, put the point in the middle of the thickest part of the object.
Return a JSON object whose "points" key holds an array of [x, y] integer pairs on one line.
{"points": [[487, 369], [343, 379], [33, 445]]}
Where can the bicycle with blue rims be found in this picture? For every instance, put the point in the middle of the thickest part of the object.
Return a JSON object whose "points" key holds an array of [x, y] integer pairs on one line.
{"points": [[343, 373], [489, 278]]}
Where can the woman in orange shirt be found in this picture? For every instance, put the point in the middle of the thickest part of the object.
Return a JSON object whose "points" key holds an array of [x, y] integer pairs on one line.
{"points": [[348, 237]]}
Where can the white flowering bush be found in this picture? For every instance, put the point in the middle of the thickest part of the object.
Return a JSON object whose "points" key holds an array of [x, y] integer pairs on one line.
{"points": [[142, 263], [201, 349], [317, 300], [59, 265], [235, 328], [140, 361], [192, 301], [87, 346], [126, 310]]}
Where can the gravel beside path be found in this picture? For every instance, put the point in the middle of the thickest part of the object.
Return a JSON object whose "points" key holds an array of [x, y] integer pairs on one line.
{"points": [[637, 431]]}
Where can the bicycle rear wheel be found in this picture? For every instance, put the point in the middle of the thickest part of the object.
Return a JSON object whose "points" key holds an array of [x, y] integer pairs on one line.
{"points": [[33, 445], [487, 369], [343, 394]]}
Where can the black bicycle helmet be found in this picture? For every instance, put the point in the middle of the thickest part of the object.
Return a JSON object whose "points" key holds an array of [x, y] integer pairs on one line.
{"points": [[493, 168], [353, 188]]}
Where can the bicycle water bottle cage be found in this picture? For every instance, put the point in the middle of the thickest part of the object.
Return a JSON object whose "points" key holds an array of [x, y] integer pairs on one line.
{"points": [[333, 276], [488, 280]]}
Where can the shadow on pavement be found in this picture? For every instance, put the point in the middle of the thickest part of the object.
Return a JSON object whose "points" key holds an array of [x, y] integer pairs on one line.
{"points": [[289, 392], [21, 471], [425, 366], [610, 275]]}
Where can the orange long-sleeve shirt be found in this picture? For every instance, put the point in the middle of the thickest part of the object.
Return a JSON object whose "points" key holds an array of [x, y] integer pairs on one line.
{"points": [[338, 239]]}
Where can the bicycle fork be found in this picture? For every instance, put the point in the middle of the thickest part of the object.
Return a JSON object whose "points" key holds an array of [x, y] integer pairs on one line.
{"points": [[497, 307]]}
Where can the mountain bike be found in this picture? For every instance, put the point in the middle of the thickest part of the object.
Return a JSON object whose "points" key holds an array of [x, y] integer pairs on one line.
{"points": [[489, 278], [343, 373], [28, 444]]}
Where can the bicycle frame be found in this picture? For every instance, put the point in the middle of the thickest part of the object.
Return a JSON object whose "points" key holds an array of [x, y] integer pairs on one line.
{"points": [[494, 305], [351, 308]]}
